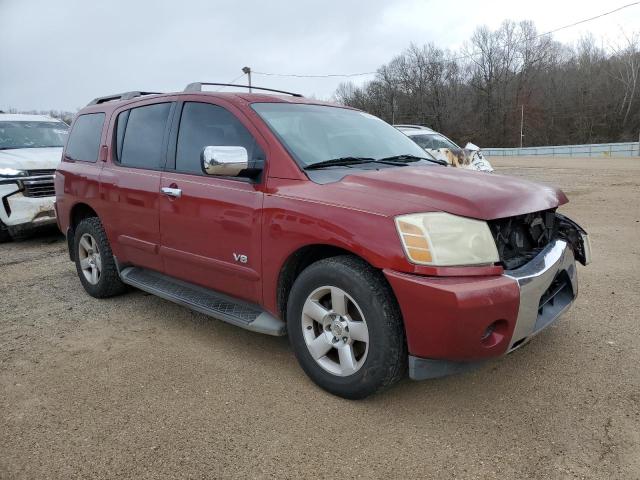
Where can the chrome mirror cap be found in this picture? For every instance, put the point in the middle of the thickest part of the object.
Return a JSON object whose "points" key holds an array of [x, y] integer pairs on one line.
{"points": [[222, 160]]}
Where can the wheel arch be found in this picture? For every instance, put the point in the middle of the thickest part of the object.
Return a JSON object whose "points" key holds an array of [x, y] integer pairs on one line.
{"points": [[297, 261], [78, 212]]}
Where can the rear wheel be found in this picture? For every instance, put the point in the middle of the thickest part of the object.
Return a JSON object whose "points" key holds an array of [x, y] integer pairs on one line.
{"points": [[94, 260], [345, 327]]}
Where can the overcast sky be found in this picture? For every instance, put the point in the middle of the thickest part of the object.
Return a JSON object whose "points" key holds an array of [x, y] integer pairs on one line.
{"points": [[61, 54]]}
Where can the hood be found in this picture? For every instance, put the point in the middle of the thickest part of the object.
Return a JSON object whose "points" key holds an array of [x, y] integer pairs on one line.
{"points": [[396, 191], [31, 158]]}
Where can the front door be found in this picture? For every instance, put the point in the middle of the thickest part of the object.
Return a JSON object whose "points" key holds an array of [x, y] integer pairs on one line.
{"points": [[210, 226]]}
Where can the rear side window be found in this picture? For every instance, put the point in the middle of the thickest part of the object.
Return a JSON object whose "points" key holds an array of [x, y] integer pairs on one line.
{"points": [[140, 136], [84, 139], [203, 125]]}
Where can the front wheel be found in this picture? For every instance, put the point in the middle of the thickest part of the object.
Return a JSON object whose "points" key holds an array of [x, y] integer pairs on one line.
{"points": [[4, 233], [345, 327]]}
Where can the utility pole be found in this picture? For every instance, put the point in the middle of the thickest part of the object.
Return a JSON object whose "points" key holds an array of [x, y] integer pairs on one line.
{"points": [[247, 70], [393, 110], [521, 124]]}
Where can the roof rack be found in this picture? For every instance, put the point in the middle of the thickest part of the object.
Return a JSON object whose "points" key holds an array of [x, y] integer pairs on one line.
{"points": [[120, 96], [197, 87]]}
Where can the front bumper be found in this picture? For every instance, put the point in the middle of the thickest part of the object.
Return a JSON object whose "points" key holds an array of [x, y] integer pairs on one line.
{"points": [[454, 323], [548, 285], [18, 210]]}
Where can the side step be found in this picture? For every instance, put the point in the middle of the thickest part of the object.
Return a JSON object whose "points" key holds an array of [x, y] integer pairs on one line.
{"points": [[203, 300]]}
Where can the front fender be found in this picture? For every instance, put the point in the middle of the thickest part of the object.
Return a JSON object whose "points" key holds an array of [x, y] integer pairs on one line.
{"points": [[290, 225]]}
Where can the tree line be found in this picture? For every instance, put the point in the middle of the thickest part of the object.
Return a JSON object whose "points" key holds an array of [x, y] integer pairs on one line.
{"points": [[567, 94]]}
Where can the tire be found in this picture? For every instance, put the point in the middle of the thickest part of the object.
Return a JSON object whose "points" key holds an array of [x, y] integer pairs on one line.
{"points": [[18, 234], [370, 353], [4, 233], [92, 253]]}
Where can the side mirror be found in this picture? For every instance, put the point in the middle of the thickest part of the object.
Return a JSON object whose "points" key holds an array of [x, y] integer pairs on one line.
{"points": [[229, 161], [471, 146]]}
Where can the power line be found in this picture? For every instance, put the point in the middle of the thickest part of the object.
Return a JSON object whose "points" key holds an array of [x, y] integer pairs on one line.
{"points": [[314, 76], [524, 40], [579, 22], [588, 19], [469, 55]]}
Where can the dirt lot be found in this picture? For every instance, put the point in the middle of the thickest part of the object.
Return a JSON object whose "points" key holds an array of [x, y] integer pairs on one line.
{"points": [[138, 387]]}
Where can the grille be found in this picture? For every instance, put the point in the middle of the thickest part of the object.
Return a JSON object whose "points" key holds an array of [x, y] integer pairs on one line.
{"points": [[554, 300], [521, 238], [37, 173], [39, 188], [559, 284]]}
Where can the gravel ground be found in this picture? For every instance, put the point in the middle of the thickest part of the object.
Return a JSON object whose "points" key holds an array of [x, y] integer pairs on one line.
{"points": [[138, 387]]}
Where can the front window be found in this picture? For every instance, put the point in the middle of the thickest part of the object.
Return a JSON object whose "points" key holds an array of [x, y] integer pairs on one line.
{"points": [[18, 134], [433, 141], [317, 133], [204, 124]]}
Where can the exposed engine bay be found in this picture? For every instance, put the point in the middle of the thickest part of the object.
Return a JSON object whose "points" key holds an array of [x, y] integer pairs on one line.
{"points": [[520, 238]]}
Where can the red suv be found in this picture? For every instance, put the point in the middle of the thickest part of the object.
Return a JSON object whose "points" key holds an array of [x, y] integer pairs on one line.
{"points": [[281, 214]]}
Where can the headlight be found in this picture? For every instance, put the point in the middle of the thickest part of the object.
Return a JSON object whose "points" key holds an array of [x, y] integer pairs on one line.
{"points": [[443, 239], [11, 172]]}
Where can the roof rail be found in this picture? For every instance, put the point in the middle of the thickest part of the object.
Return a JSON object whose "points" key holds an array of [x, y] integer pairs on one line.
{"points": [[197, 87], [416, 127], [120, 96]]}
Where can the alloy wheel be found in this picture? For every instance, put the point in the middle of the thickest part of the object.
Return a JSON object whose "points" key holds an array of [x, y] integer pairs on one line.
{"points": [[90, 261], [335, 331]]}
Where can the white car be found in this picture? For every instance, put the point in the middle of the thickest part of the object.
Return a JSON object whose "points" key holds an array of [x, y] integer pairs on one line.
{"points": [[442, 148], [30, 151]]}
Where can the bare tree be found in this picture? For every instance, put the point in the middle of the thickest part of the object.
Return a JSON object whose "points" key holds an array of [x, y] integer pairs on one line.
{"points": [[571, 94], [626, 69]]}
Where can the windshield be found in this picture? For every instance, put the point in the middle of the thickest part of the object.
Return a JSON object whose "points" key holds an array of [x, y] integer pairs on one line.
{"points": [[433, 141], [317, 133], [32, 134]]}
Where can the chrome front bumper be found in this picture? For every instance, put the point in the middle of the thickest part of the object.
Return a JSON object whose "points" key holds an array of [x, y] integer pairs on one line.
{"points": [[548, 286]]}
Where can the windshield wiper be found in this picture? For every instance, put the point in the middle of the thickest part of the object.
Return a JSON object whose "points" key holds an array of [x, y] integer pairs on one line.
{"points": [[340, 162], [410, 158], [394, 160]]}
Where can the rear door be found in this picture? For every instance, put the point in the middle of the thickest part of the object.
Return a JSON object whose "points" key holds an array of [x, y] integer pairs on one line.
{"points": [[210, 233], [131, 182]]}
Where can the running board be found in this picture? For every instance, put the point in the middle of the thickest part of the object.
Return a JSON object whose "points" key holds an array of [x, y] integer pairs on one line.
{"points": [[203, 300]]}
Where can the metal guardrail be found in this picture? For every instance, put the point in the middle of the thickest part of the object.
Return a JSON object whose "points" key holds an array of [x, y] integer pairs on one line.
{"points": [[626, 149]]}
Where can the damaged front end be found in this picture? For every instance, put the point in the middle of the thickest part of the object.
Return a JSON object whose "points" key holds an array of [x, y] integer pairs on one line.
{"points": [[26, 201], [521, 238], [469, 158]]}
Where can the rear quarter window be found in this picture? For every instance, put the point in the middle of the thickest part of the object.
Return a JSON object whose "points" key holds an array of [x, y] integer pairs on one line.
{"points": [[84, 139]]}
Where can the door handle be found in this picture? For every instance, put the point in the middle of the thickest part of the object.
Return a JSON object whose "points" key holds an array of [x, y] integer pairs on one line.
{"points": [[171, 192]]}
